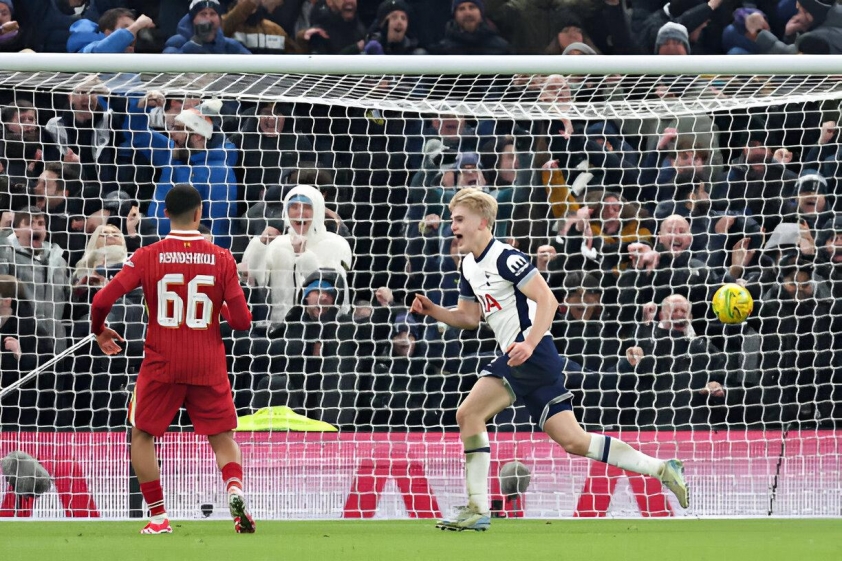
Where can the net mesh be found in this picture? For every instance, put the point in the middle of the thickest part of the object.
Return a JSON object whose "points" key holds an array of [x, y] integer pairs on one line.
{"points": [[636, 197]]}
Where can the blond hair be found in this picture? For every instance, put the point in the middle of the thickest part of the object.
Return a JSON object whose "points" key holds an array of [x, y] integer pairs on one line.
{"points": [[478, 202]]}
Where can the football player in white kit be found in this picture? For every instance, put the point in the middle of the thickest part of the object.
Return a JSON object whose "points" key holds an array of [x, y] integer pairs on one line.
{"points": [[500, 284]]}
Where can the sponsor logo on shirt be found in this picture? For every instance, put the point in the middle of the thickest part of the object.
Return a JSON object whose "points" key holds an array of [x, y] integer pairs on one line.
{"points": [[516, 264]]}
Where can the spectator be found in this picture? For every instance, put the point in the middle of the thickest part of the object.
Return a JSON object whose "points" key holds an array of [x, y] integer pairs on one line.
{"points": [[681, 21], [41, 270], [672, 377], [58, 193], [192, 156], [313, 354], [101, 384], [569, 30], [271, 209], [759, 182], [736, 39], [586, 330], [611, 31], [115, 32], [248, 22], [820, 19], [799, 324], [469, 34], [52, 20], [84, 135], [335, 28], [23, 344], [596, 237], [390, 33], [200, 32], [120, 210], [106, 249], [282, 261], [11, 38], [270, 144], [21, 149], [829, 258], [672, 39], [407, 386], [668, 268]]}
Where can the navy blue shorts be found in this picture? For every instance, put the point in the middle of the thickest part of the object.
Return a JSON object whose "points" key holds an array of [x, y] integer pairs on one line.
{"points": [[539, 381]]}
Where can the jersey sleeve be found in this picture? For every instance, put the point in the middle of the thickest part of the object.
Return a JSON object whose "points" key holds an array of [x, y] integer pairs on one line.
{"points": [[465, 290], [515, 267]]}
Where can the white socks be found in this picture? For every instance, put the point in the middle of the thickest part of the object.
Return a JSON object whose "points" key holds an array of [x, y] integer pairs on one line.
{"points": [[617, 453], [159, 519], [477, 464]]}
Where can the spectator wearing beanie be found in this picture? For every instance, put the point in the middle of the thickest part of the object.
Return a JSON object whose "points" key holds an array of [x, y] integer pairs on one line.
{"points": [[468, 33], [672, 40], [692, 14], [200, 32], [390, 33], [821, 19]]}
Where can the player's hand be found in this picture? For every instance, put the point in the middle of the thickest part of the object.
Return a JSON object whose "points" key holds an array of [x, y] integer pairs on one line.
{"points": [[107, 341], [519, 352], [422, 305]]}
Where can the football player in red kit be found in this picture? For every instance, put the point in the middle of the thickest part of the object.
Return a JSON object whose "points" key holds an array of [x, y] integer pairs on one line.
{"points": [[187, 283]]}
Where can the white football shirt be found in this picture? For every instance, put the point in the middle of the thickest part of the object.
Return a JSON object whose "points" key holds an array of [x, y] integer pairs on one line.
{"points": [[494, 280]]}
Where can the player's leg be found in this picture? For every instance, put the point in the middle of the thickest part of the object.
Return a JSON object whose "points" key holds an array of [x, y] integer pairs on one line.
{"points": [[211, 409], [229, 460], [563, 428], [488, 397], [153, 406]]}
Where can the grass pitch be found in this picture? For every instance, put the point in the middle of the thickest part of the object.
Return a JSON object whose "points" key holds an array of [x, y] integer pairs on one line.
{"points": [[515, 540]]}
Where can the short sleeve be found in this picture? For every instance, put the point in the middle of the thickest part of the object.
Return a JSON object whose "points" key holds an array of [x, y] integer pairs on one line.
{"points": [[465, 290], [515, 267]]}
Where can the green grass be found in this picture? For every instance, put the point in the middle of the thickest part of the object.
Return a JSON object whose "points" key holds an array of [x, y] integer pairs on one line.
{"points": [[516, 540]]}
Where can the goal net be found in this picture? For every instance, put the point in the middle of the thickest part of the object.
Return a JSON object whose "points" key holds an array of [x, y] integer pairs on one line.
{"points": [[636, 196]]}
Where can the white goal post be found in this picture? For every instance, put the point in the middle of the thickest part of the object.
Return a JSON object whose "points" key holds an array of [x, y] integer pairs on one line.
{"points": [[636, 184]]}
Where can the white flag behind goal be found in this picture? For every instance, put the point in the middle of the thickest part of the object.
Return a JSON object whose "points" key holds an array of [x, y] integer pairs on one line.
{"points": [[636, 196]]}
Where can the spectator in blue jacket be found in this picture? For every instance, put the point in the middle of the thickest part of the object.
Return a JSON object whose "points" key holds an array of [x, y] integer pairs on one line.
{"points": [[189, 155], [200, 32], [115, 32]]}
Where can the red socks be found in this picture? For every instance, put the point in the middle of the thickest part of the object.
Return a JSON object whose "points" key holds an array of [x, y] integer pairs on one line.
{"points": [[232, 475], [153, 494]]}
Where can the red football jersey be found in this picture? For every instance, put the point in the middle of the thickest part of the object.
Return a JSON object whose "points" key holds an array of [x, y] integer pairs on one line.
{"points": [[186, 280]]}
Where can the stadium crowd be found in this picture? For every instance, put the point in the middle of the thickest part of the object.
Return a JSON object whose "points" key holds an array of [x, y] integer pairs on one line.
{"points": [[337, 216]]}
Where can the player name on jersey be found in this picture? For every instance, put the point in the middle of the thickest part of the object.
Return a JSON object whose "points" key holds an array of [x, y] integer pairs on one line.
{"points": [[188, 258]]}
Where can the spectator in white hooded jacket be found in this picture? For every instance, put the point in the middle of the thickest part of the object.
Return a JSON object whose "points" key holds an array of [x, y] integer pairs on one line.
{"points": [[281, 260]]}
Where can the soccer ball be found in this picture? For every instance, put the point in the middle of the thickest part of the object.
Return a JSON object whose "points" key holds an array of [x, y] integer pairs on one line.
{"points": [[732, 303]]}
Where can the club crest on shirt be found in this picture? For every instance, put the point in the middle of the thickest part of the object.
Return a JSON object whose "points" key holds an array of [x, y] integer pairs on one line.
{"points": [[516, 264]]}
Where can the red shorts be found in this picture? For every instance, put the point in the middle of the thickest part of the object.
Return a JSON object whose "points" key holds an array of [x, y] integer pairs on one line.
{"points": [[154, 405]]}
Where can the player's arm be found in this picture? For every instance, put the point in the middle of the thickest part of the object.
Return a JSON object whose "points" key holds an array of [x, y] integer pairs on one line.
{"points": [[535, 288], [103, 301], [538, 290], [465, 316], [235, 310]]}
